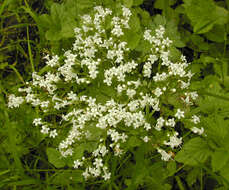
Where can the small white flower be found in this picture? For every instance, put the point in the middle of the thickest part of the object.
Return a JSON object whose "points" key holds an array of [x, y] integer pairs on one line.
{"points": [[45, 129], [86, 173], [195, 119], [158, 92], [170, 122], [53, 133], [130, 93], [106, 176], [37, 121], [146, 139], [14, 101], [174, 141], [147, 126], [179, 114], [197, 130], [98, 163], [164, 155], [77, 164]]}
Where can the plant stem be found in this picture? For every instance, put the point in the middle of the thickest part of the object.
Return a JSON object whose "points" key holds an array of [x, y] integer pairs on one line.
{"points": [[179, 183]]}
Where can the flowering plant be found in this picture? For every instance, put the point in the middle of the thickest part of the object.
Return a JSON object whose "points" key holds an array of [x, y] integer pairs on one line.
{"points": [[105, 95]]}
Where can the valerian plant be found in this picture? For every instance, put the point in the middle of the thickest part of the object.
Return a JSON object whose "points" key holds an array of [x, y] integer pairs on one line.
{"points": [[105, 93]]}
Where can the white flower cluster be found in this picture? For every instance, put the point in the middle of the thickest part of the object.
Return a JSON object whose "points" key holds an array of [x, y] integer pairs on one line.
{"points": [[100, 57]]}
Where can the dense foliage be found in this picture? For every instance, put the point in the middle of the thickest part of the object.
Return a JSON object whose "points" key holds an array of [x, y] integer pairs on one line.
{"points": [[110, 94]]}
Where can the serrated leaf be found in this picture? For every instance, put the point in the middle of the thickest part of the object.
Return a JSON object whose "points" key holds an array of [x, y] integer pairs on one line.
{"points": [[54, 157], [56, 11], [195, 151], [219, 159], [193, 176], [159, 20]]}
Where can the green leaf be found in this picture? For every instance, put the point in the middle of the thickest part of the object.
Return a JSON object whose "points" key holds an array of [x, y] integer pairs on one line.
{"points": [[224, 172], [54, 157], [53, 35], [133, 142], [195, 151], [78, 152], [45, 21], [193, 176], [205, 14], [159, 20], [171, 168], [160, 4], [56, 11], [132, 39], [3, 65], [203, 26], [68, 177], [219, 159], [85, 4], [216, 34], [128, 3], [137, 2], [174, 35]]}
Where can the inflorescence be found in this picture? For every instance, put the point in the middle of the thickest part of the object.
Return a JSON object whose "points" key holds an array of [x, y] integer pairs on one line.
{"points": [[100, 57]]}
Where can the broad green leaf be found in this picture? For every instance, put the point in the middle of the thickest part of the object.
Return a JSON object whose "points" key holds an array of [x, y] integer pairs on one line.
{"points": [[84, 4], [137, 2], [67, 177], [203, 26], [134, 23], [67, 28], [56, 11], [159, 20], [128, 3], [193, 152], [132, 39], [53, 35], [199, 42], [221, 15], [160, 4], [219, 159], [173, 34], [45, 21], [193, 175], [78, 152], [54, 157], [224, 172], [216, 34], [171, 168], [205, 14], [133, 141], [3, 65]]}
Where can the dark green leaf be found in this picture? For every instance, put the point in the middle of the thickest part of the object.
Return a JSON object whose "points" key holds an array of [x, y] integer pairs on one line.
{"points": [[195, 151], [55, 157], [219, 159]]}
